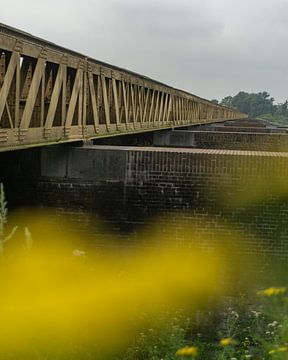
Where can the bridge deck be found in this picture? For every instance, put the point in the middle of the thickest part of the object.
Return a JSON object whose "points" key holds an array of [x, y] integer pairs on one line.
{"points": [[49, 94]]}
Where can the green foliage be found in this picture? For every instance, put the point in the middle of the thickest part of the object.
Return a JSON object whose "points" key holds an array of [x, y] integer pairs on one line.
{"points": [[161, 340], [279, 119], [258, 105], [251, 104], [3, 210], [227, 101], [256, 324], [3, 221]]}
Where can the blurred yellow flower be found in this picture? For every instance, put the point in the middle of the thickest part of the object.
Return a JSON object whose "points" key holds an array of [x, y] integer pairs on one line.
{"points": [[272, 291], [227, 341], [187, 351], [280, 349], [57, 292]]}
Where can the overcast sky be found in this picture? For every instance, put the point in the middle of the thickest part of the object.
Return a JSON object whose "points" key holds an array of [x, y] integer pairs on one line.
{"points": [[212, 48]]}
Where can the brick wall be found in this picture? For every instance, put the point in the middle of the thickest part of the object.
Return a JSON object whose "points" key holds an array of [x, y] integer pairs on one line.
{"points": [[234, 192], [223, 140], [241, 141]]}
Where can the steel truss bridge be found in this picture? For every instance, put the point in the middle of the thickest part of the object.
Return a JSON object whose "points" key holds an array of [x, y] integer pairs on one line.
{"points": [[49, 94]]}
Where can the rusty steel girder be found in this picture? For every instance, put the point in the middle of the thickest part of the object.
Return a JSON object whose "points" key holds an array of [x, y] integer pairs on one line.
{"points": [[49, 94]]}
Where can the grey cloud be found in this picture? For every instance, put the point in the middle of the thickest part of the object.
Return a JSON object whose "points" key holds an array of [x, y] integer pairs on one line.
{"points": [[165, 21], [211, 48]]}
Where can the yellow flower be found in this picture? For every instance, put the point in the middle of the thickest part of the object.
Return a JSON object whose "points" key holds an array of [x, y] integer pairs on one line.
{"points": [[280, 349], [283, 349], [187, 351], [227, 341], [272, 291]]}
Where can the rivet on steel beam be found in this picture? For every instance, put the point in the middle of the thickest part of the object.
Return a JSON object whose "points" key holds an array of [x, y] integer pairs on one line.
{"points": [[43, 53], [85, 64], [47, 133], [81, 64], [66, 132], [18, 46], [64, 60]]}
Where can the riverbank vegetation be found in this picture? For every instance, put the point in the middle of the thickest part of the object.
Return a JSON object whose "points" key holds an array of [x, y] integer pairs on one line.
{"points": [[258, 105], [243, 327]]}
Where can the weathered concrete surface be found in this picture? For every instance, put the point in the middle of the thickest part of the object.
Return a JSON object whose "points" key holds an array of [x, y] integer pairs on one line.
{"points": [[83, 163]]}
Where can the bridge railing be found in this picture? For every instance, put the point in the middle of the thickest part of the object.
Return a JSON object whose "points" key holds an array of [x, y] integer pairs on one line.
{"points": [[50, 94]]}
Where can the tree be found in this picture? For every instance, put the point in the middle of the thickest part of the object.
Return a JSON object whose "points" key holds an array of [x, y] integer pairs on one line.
{"points": [[282, 109], [251, 103], [227, 101]]}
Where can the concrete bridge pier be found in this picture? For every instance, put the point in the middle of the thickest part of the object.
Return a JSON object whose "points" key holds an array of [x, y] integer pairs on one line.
{"points": [[127, 187], [243, 186]]}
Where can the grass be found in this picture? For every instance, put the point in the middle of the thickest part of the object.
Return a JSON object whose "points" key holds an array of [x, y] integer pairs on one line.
{"points": [[242, 328]]}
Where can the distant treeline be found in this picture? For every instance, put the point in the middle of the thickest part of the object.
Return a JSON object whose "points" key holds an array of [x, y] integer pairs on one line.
{"points": [[260, 105]]}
